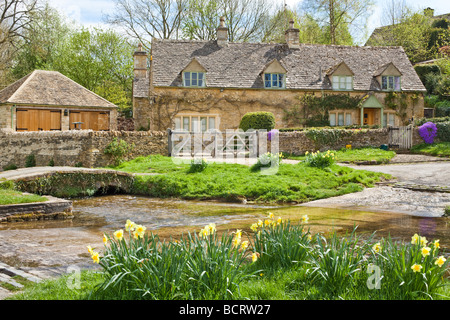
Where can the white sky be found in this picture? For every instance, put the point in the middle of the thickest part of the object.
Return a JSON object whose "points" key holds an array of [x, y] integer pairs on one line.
{"points": [[90, 12]]}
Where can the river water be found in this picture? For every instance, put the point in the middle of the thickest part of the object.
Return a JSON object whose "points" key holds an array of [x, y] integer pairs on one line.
{"points": [[56, 243]]}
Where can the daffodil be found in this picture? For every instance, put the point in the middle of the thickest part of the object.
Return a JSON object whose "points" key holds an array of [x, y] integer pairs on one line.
{"points": [[423, 241], [255, 256], [211, 228], [118, 235], [238, 233], [244, 245], [90, 249], [105, 239], [129, 225], [425, 251], [416, 267], [267, 222], [140, 230], [279, 220], [260, 223], [436, 244], [271, 215], [415, 238], [236, 241], [95, 257], [254, 227], [377, 247], [305, 219], [440, 261], [309, 237]]}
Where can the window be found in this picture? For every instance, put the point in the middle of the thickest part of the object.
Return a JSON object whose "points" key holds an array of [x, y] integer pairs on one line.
{"points": [[340, 119], [388, 119], [274, 80], [194, 79], [333, 119], [342, 82], [195, 123], [390, 83]]}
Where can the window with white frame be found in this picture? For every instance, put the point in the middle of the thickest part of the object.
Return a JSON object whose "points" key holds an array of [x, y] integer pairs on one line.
{"points": [[194, 79], [274, 80], [388, 119], [342, 83], [340, 119], [390, 83], [195, 123]]}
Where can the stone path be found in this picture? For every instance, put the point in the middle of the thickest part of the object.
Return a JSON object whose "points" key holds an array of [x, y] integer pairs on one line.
{"points": [[8, 274]]}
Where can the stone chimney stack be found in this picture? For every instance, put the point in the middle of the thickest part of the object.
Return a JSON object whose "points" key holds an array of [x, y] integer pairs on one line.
{"points": [[292, 36], [140, 63], [222, 33]]}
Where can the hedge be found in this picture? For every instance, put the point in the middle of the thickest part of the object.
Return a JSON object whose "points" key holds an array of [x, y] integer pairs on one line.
{"points": [[257, 120], [443, 131]]}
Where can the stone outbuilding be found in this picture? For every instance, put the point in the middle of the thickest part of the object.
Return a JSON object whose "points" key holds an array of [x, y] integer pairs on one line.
{"points": [[50, 101], [201, 85]]}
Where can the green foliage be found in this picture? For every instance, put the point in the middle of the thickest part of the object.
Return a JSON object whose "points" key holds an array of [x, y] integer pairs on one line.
{"points": [[197, 165], [10, 196], [442, 108], [7, 185], [313, 110], [118, 149], [421, 121], [257, 120], [230, 182], [10, 166], [435, 149], [319, 159], [30, 161], [267, 160], [443, 131]]}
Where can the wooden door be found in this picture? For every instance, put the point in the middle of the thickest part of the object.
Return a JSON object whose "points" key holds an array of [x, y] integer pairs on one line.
{"points": [[38, 120], [369, 116], [94, 120]]}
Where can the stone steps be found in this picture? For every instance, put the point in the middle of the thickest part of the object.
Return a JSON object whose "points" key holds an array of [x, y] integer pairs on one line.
{"points": [[7, 274]]}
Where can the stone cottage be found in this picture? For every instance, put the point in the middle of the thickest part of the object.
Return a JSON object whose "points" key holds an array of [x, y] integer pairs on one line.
{"points": [[201, 85], [49, 101]]}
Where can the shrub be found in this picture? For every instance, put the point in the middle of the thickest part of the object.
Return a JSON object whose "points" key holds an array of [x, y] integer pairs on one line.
{"points": [[30, 161], [443, 131], [442, 109], [11, 166], [257, 120], [197, 165], [118, 149], [428, 131], [320, 159]]}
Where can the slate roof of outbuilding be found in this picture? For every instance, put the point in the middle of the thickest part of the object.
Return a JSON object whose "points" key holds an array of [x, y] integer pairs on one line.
{"points": [[239, 65], [51, 88]]}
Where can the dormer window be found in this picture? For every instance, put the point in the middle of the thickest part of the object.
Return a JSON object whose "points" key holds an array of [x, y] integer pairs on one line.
{"points": [[274, 80], [194, 79], [342, 82], [390, 83], [341, 77]]}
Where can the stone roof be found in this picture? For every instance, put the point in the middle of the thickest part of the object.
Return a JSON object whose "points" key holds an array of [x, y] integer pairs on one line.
{"points": [[51, 88], [239, 65]]}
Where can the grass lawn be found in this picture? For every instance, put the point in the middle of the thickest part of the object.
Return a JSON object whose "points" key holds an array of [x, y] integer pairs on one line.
{"points": [[436, 149], [230, 182], [8, 196], [356, 155]]}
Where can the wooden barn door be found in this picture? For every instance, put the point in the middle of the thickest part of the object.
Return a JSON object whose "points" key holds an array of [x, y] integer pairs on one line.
{"points": [[94, 120], [38, 120]]}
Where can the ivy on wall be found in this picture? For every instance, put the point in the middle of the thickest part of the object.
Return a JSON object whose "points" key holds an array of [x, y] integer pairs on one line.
{"points": [[399, 103], [312, 111]]}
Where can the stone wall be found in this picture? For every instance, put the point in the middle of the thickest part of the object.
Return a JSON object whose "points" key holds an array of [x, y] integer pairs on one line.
{"points": [[69, 148]]}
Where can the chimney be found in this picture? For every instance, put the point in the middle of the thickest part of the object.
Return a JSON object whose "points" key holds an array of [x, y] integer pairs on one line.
{"points": [[140, 63], [222, 33], [292, 36]]}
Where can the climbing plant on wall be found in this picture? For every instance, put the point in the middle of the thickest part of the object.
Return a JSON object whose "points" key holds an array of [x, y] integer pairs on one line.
{"points": [[313, 110]]}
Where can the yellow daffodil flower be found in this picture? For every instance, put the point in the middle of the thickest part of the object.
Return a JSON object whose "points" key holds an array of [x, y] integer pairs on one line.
{"points": [[129, 225], [305, 219], [95, 257], [244, 245], [436, 244], [255, 256], [254, 227], [118, 235], [271, 215], [425, 251], [377, 247], [416, 267], [105, 239], [423, 241], [236, 241], [89, 249], [440, 261], [415, 238]]}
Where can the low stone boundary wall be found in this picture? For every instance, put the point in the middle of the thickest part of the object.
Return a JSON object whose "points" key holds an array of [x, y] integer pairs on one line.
{"points": [[53, 207], [70, 148]]}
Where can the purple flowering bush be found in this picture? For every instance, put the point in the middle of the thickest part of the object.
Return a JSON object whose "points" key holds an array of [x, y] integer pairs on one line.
{"points": [[428, 132]]}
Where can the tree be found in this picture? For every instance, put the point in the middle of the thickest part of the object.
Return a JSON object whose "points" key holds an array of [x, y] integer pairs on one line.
{"points": [[147, 19], [338, 16]]}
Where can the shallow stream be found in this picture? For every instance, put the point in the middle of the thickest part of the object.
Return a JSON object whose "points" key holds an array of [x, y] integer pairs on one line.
{"points": [[63, 242]]}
